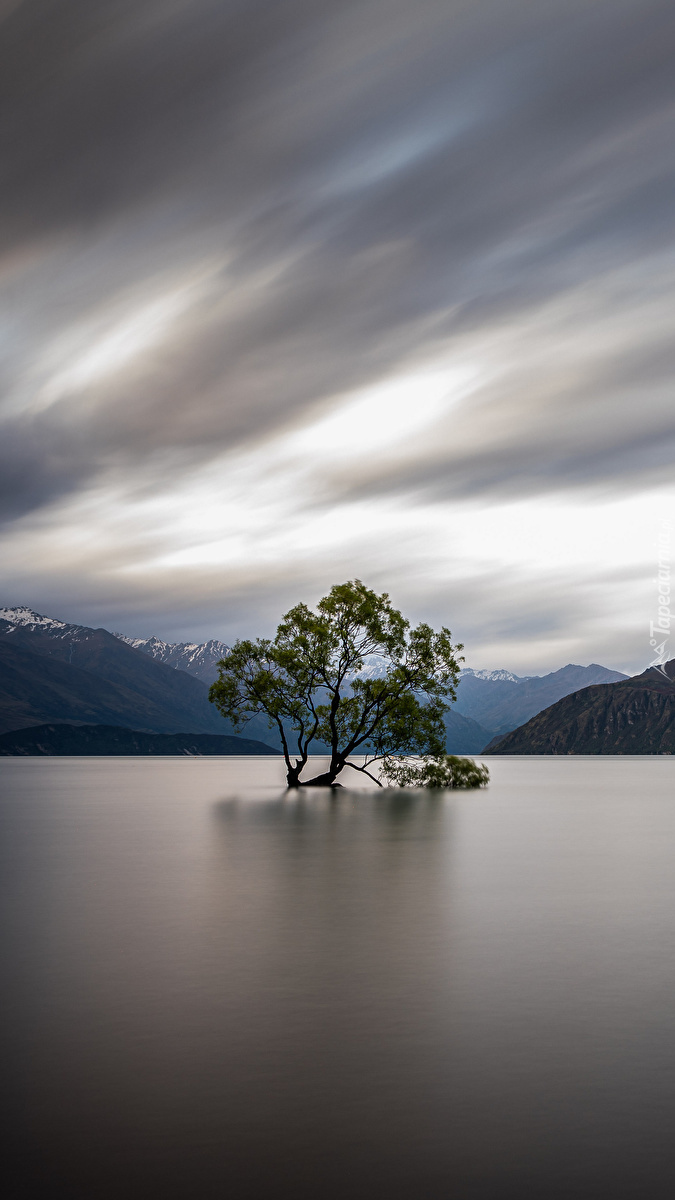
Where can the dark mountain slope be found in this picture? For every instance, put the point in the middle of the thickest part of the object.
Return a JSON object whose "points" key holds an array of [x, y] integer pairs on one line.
{"points": [[35, 689], [635, 716], [503, 704], [107, 741], [90, 676], [104, 655], [464, 736]]}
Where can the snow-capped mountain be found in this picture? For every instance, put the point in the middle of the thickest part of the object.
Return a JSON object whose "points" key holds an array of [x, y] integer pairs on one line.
{"points": [[197, 658], [495, 676], [21, 615], [24, 621], [501, 701], [374, 667]]}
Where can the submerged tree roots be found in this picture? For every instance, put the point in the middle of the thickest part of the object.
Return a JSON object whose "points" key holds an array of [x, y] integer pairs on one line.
{"points": [[444, 771]]}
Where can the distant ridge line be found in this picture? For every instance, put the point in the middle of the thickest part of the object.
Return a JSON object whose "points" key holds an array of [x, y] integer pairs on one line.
{"points": [[105, 741]]}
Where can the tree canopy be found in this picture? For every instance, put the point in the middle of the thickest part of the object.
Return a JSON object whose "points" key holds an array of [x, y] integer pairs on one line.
{"points": [[316, 683]]}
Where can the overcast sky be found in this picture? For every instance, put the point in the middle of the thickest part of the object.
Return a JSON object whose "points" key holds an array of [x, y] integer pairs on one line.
{"points": [[296, 291]]}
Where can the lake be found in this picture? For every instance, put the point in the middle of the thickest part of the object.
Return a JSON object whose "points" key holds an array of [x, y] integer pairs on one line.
{"points": [[220, 989]]}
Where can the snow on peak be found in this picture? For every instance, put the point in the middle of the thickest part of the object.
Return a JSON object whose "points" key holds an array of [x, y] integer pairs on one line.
{"points": [[374, 667], [493, 676], [150, 644], [197, 658], [22, 615]]}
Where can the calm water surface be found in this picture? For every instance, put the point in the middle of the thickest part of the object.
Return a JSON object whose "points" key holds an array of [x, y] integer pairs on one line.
{"points": [[218, 989]]}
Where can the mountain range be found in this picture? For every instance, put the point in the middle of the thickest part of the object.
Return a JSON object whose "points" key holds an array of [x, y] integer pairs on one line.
{"points": [[53, 671], [488, 701], [500, 701], [634, 716]]}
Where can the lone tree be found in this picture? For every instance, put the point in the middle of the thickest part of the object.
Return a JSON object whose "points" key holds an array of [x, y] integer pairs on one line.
{"points": [[312, 682]]}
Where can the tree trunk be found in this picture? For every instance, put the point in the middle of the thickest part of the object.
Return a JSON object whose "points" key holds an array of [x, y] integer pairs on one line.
{"points": [[327, 779]]}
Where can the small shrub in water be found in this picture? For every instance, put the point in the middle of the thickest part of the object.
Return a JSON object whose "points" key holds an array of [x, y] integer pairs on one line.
{"points": [[444, 771]]}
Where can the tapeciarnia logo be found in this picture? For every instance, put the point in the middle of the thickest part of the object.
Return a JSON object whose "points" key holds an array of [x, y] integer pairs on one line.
{"points": [[660, 627]]}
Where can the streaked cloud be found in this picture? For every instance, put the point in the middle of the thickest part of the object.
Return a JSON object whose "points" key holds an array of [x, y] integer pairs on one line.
{"points": [[292, 292]]}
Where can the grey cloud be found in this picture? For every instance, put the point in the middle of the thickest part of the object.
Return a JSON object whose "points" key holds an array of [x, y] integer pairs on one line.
{"points": [[609, 432], [502, 621], [141, 139]]}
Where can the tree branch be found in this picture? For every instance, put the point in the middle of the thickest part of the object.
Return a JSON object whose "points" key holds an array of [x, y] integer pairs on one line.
{"points": [[364, 772]]}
